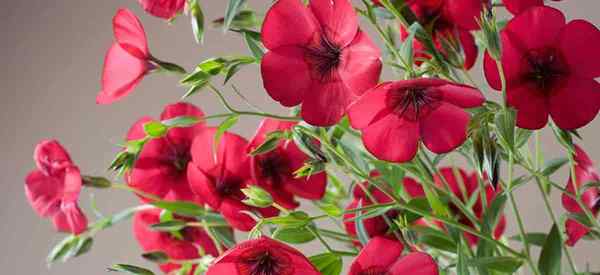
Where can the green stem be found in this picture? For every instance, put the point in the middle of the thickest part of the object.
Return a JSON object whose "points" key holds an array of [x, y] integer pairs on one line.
{"points": [[136, 191]]}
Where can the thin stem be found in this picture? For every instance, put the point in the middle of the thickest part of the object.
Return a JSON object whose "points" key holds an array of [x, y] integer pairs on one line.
{"points": [[214, 239], [502, 81], [135, 190]]}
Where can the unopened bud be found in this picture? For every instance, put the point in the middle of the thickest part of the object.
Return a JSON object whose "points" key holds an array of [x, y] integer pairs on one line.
{"points": [[257, 197]]}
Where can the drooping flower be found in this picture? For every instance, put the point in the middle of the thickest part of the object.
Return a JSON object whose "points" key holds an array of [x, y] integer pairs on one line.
{"points": [[584, 173], [219, 177], [161, 168], [53, 188], [262, 256], [449, 21], [165, 9], [383, 256], [548, 70], [274, 170], [128, 59], [400, 114], [518, 6], [186, 246], [323, 62]]}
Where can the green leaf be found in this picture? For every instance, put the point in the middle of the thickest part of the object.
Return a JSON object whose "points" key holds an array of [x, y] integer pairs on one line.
{"points": [[361, 231], [169, 67], [435, 238], [224, 235], [505, 124], [182, 208], [83, 246], [212, 66], [257, 197], [564, 138], [223, 127], [232, 10], [168, 226], [406, 49], [197, 18], [131, 269], [551, 254], [534, 238], [96, 182], [254, 44], [327, 263], [181, 121], [461, 265], [499, 263], [270, 143], [553, 165], [62, 251], [293, 235], [155, 129], [156, 257], [292, 220], [331, 209]]}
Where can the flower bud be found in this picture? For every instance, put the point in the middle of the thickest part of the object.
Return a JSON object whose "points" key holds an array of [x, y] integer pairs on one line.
{"points": [[257, 197], [489, 32]]}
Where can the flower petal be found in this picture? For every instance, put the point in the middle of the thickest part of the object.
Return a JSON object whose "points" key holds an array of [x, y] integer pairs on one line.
{"points": [[122, 72], [165, 9], [183, 136], [536, 28], [463, 13], [579, 41], [392, 139], [361, 64], [575, 231], [266, 127], [518, 6], [70, 219], [415, 263], [369, 106], [231, 153], [129, 33], [337, 18], [328, 103], [286, 75], [445, 128], [575, 103], [413, 187], [43, 193], [231, 211], [461, 95], [531, 105], [277, 31], [371, 255], [50, 156], [469, 47], [136, 131], [203, 186]]}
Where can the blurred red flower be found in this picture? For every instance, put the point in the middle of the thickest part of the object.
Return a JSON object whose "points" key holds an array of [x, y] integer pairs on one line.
{"points": [[165, 9], [318, 57], [53, 188], [518, 6]]}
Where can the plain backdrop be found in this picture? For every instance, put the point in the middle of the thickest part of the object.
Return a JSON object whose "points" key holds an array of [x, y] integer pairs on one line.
{"points": [[50, 60]]}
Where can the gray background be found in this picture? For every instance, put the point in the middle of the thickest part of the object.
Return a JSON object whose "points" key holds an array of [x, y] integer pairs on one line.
{"points": [[51, 60]]}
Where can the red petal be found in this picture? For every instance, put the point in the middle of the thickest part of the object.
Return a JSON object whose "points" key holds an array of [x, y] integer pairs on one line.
{"points": [[312, 188], [463, 13], [277, 30], [518, 6], [368, 107], [122, 72], [531, 104], [165, 9], [416, 263], [44, 193], [231, 153], [578, 42], [361, 64], [231, 211], [371, 255], [576, 103], [70, 219], [445, 128], [136, 131], [327, 103], [536, 28], [130, 34], [222, 268], [512, 57], [203, 186], [469, 47], [183, 136], [575, 231], [72, 184], [461, 95], [286, 76], [266, 127], [337, 18], [413, 187], [50, 156], [462, 187], [392, 132]]}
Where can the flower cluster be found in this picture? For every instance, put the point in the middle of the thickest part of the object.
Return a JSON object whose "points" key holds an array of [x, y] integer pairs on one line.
{"points": [[394, 151]]}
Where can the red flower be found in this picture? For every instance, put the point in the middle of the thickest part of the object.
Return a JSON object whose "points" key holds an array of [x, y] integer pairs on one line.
{"points": [[274, 170], [450, 21], [548, 69], [384, 256], [318, 57], [127, 60], [53, 188], [518, 6], [262, 256], [186, 248], [165, 9], [400, 114], [218, 178], [584, 173], [161, 168]]}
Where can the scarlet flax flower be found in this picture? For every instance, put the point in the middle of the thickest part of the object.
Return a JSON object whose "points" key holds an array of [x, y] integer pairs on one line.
{"points": [[128, 59], [383, 256], [274, 170], [518, 6], [547, 68], [584, 173], [323, 62], [161, 167], [165, 9], [218, 177], [262, 256], [53, 188], [449, 21], [400, 114], [185, 246]]}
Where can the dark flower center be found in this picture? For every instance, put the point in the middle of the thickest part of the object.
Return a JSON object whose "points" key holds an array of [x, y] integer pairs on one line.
{"points": [[544, 68], [178, 156], [264, 262], [374, 270], [324, 58], [412, 103], [274, 167], [229, 187]]}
